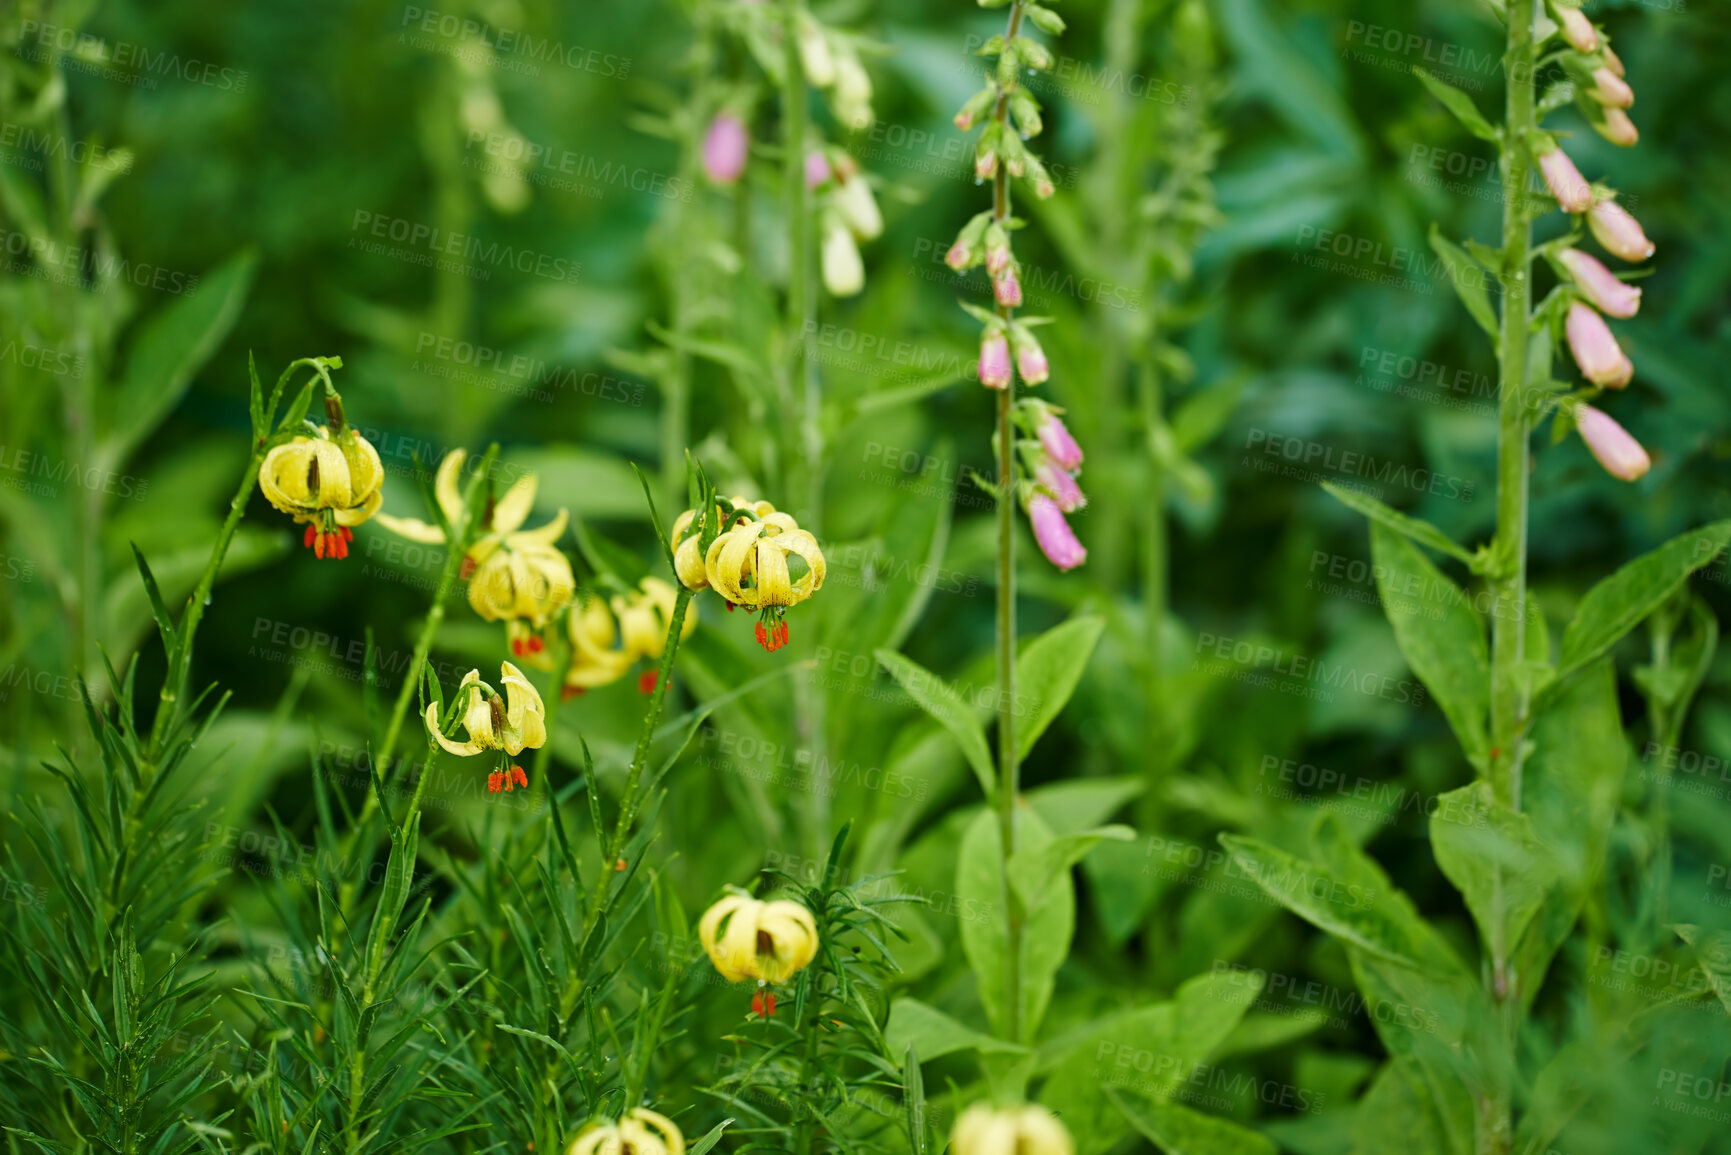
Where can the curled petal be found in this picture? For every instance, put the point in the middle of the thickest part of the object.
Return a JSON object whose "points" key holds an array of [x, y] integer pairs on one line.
{"points": [[718, 929], [601, 1139], [513, 509], [412, 528], [445, 490], [462, 749], [790, 933], [662, 1125]]}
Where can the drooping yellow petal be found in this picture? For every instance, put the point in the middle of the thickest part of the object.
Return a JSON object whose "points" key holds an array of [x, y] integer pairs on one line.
{"points": [[546, 535], [355, 515], [445, 490], [790, 933], [463, 749], [602, 1139], [412, 528], [513, 509], [670, 1134], [717, 930]]}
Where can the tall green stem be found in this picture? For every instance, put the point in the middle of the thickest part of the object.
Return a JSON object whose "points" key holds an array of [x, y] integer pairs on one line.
{"points": [[1009, 759]]}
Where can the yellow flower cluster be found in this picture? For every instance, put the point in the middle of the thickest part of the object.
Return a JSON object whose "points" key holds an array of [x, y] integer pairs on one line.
{"points": [[767, 941], [762, 560], [608, 637], [640, 1132], [514, 722], [328, 483]]}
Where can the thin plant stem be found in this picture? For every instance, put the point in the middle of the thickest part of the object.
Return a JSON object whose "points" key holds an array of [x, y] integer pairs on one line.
{"points": [[1009, 759]]}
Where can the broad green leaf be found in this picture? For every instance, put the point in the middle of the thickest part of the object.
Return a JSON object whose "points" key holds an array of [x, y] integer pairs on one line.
{"points": [[1712, 955], [1429, 1020], [169, 349], [1438, 632], [1178, 1130], [1571, 783], [1359, 907], [1032, 869], [1460, 104], [1418, 529], [1047, 671], [933, 695], [1396, 1116], [934, 1034], [1082, 803], [1495, 860], [1468, 280], [985, 937], [1622, 601]]}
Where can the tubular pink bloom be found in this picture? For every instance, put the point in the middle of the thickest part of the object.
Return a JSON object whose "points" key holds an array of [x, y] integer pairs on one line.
{"points": [[1613, 61], [1055, 439], [995, 360], [1619, 129], [724, 149], [1610, 88], [1565, 181], [997, 251], [1601, 360], [1610, 296], [959, 257], [816, 169], [1577, 29], [1061, 484], [1056, 539], [1620, 454], [1006, 289], [1031, 363], [1619, 232]]}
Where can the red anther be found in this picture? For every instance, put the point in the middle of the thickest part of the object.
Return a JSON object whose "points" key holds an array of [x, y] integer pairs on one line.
{"points": [[730, 606], [348, 534], [522, 778], [566, 693], [517, 647], [342, 543], [319, 546], [536, 645], [763, 637], [646, 681], [493, 782], [763, 1004], [468, 569], [784, 633], [308, 539]]}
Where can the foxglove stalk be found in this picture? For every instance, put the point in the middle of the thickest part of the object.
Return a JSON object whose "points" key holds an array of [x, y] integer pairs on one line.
{"points": [[1596, 351], [1619, 232], [1620, 454], [1599, 285]]}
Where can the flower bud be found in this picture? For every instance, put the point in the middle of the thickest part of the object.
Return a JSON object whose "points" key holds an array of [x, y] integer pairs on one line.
{"points": [[1618, 128], [724, 148], [843, 271], [960, 256], [1597, 353], [1577, 29], [1599, 285], [1620, 454], [976, 105], [985, 164], [1031, 364], [1619, 232], [997, 249], [857, 206], [1611, 89], [1056, 539], [1565, 181], [1060, 484], [767, 941], [814, 54], [1612, 60], [816, 168], [852, 96], [995, 359], [1055, 439], [1006, 289]]}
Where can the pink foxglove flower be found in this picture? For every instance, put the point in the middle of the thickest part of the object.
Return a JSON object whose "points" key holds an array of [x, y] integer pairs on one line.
{"points": [[959, 257], [1565, 181], [1601, 360], [1619, 232], [724, 148], [1031, 361], [1055, 439], [1577, 29], [995, 360], [1057, 541], [1620, 454], [816, 169], [1006, 289], [1610, 88], [1061, 485], [1618, 129], [1599, 285]]}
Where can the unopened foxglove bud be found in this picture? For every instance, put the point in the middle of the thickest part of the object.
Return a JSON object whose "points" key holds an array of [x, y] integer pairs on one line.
{"points": [[843, 271], [1030, 358], [1599, 285], [725, 146], [814, 54], [1612, 60], [985, 162], [1619, 232], [997, 249], [1061, 484], [995, 359], [1006, 289], [1057, 540], [1055, 438], [1611, 89], [1565, 181], [975, 108], [1597, 353], [965, 253], [1617, 128], [852, 96], [1620, 454], [857, 206], [1577, 29]]}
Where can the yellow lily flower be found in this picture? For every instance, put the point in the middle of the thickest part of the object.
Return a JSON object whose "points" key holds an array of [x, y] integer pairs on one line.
{"points": [[641, 1132], [328, 483], [748, 565], [767, 941], [596, 659], [687, 548], [515, 575], [513, 723], [1029, 1130], [607, 638]]}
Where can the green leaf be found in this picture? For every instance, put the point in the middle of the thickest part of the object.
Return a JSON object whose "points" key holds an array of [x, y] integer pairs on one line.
{"points": [[169, 349], [158, 610], [1438, 632], [1047, 671], [1417, 529], [934, 1034], [985, 936], [1468, 280], [1178, 1130], [1460, 104], [1712, 955], [1032, 870], [934, 695], [1495, 859], [1396, 1116], [1622, 601]]}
